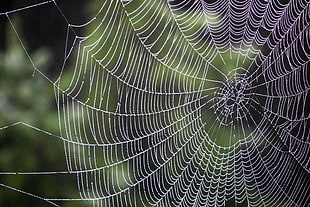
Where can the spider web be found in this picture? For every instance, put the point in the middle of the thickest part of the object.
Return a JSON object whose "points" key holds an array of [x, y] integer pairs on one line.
{"points": [[186, 103]]}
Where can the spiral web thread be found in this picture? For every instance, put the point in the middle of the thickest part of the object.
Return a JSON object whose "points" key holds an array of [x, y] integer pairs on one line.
{"points": [[188, 103]]}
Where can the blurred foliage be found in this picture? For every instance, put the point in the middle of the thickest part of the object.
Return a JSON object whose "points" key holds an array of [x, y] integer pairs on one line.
{"points": [[19, 83], [26, 96]]}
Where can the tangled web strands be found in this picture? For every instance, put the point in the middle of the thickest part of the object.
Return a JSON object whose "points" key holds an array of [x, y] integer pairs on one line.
{"points": [[189, 103]]}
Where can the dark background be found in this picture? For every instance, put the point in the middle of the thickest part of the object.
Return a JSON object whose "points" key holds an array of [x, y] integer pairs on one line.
{"points": [[28, 97]]}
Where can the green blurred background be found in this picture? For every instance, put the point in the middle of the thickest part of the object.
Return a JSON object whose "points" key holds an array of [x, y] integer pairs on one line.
{"points": [[25, 96]]}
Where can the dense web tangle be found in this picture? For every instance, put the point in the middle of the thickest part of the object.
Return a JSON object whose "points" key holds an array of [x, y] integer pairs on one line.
{"points": [[187, 103]]}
